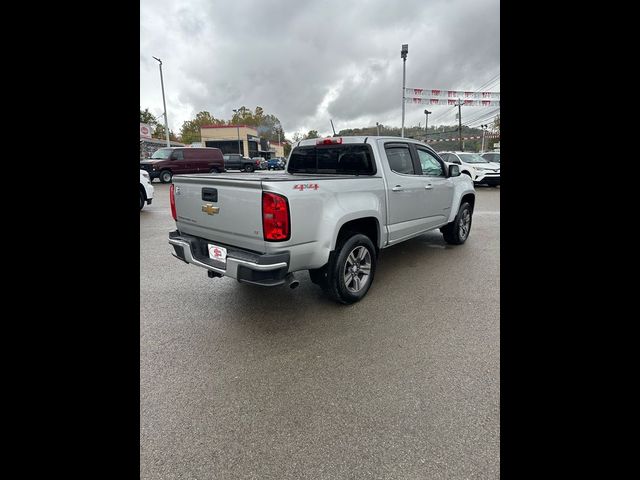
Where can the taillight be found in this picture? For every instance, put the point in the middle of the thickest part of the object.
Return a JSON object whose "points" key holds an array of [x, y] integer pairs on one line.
{"points": [[172, 199], [329, 141], [275, 217]]}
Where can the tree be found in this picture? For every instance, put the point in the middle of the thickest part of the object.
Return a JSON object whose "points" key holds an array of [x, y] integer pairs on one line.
{"points": [[190, 130], [147, 117], [311, 134], [159, 133]]}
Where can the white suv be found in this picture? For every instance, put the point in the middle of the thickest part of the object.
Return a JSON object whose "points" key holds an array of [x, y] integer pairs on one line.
{"points": [[146, 189], [472, 164]]}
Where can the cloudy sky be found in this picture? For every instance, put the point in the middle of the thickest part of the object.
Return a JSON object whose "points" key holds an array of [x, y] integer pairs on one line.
{"points": [[308, 62]]}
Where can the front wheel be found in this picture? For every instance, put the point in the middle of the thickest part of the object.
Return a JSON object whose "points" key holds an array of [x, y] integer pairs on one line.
{"points": [[142, 200], [350, 271], [457, 232], [248, 168], [165, 176]]}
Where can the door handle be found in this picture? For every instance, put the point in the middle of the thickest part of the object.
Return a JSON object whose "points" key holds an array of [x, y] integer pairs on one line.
{"points": [[428, 186], [398, 188]]}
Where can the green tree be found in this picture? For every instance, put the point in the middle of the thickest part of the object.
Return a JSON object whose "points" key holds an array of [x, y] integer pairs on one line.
{"points": [[190, 130], [311, 134], [147, 117], [159, 133]]}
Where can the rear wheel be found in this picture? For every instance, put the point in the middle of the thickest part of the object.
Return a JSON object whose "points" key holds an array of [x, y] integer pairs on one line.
{"points": [[248, 168], [457, 232], [213, 170], [350, 271], [165, 176]]}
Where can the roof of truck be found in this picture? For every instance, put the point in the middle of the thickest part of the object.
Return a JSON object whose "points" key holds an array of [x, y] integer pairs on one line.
{"points": [[356, 139]]}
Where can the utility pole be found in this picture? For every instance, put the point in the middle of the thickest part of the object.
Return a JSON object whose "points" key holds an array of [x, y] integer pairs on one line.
{"points": [[460, 126], [426, 122], [483, 130], [164, 104], [378, 128], [403, 54], [238, 129]]}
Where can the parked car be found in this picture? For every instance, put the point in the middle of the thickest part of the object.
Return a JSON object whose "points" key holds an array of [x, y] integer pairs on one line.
{"points": [[146, 189], [261, 163], [275, 164], [493, 157], [166, 162], [235, 161], [282, 162], [340, 202], [472, 164]]}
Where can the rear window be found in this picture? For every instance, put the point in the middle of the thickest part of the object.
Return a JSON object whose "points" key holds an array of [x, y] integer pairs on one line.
{"points": [[355, 159]]}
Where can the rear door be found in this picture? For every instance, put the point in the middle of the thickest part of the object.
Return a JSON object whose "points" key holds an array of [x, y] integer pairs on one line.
{"points": [[406, 184], [438, 188]]}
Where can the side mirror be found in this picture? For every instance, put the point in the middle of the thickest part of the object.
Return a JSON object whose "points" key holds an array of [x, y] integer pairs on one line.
{"points": [[454, 171]]}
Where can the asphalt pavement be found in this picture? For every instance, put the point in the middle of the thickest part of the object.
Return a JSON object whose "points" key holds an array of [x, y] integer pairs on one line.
{"points": [[244, 382]]}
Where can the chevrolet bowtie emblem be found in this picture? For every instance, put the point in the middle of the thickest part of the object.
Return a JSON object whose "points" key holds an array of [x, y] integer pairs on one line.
{"points": [[210, 209]]}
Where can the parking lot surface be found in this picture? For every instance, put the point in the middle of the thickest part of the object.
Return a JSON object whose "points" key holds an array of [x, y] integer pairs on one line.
{"points": [[244, 382]]}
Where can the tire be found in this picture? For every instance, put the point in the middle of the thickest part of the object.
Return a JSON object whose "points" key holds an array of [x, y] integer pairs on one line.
{"points": [[165, 176], [213, 170], [457, 232], [142, 199], [248, 168], [354, 250]]}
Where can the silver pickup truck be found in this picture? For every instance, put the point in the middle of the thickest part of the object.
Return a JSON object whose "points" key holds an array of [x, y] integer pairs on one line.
{"points": [[340, 201]]}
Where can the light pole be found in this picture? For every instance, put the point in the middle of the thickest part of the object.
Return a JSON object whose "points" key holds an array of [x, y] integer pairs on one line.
{"points": [[238, 128], [378, 127], [484, 127], [164, 103], [403, 55], [426, 132]]}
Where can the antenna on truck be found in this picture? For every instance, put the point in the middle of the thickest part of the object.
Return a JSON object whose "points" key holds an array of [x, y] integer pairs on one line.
{"points": [[334, 130]]}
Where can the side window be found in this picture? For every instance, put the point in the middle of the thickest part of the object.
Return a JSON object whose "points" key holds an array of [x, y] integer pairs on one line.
{"points": [[454, 159], [430, 165], [444, 156], [177, 155], [399, 158]]}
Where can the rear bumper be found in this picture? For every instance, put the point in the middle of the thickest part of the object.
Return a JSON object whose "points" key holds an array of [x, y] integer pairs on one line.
{"points": [[268, 270]]}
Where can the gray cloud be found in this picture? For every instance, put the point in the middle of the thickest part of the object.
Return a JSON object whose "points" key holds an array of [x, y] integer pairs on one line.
{"points": [[307, 63]]}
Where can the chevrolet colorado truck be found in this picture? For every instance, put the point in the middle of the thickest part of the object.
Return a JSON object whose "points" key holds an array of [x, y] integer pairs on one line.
{"points": [[339, 203]]}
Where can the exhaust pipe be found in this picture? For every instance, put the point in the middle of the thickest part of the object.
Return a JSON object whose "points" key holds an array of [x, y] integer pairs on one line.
{"points": [[291, 281]]}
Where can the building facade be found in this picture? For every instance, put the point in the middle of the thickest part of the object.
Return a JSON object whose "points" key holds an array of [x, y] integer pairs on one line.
{"points": [[241, 139]]}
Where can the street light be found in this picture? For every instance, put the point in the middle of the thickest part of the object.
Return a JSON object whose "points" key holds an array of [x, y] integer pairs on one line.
{"points": [[426, 132], [238, 128], [164, 103], [403, 55], [484, 127], [378, 127]]}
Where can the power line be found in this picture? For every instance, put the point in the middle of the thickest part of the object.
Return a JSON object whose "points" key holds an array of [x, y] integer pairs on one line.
{"points": [[475, 117], [482, 118]]}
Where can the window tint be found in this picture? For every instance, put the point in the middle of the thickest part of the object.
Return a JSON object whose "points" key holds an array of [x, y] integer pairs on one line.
{"points": [[400, 159], [430, 165], [178, 155], [347, 159]]}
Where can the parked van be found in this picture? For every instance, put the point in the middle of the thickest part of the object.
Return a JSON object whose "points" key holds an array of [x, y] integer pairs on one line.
{"points": [[170, 161]]}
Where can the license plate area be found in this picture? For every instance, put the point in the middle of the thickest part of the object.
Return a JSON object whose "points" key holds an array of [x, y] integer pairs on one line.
{"points": [[217, 253]]}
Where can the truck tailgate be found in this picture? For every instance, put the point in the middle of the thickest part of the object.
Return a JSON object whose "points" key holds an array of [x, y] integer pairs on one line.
{"points": [[226, 209]]}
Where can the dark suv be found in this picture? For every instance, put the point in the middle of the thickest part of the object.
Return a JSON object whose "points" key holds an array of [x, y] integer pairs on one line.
{"points": [[235, 161], [170, 161]]}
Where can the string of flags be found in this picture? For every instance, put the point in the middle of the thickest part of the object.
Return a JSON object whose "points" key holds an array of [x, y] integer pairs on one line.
{"points": [[450, 97], [489, 135]]}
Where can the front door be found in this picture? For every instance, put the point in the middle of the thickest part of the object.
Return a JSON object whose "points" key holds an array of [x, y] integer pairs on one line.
{"points": [[406, 184]]}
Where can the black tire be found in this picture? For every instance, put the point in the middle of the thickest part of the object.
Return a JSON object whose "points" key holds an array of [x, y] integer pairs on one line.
{"points": [[455, 232], [165, 176], [213, 170], [143, 199], [335, 285], [248, 168]]}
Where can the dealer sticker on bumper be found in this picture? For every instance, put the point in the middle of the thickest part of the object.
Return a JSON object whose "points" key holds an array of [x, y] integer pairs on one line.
{"points": [[218, 253]]}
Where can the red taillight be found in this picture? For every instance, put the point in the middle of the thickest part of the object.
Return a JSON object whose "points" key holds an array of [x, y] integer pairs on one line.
{"points": [[329, 141], [172, 199], [275, 217]]}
